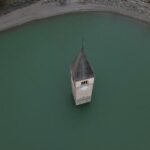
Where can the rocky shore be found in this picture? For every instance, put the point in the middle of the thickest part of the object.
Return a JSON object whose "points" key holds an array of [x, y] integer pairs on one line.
{"points": [[12, 6], [45, 8]]}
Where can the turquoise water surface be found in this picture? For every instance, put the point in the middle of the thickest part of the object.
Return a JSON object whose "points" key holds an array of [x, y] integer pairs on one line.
{"points": [[37, 111]]}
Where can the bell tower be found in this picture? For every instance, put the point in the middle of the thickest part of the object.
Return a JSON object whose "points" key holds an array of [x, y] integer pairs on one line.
{"points": [[82, 79]]}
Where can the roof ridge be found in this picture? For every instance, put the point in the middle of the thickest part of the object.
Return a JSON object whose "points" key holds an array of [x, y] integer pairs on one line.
{"points": [[81, 68]]}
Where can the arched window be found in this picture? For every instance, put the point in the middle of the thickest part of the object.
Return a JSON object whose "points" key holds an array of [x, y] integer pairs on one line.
{"points": [[84, 82]]}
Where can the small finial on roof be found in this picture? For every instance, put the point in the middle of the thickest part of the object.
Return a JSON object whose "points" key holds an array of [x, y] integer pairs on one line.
{"points": [[81, 68], [82, 48]]}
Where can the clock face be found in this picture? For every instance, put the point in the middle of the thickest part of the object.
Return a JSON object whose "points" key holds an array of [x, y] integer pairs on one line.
{"points": [[84, 88]]}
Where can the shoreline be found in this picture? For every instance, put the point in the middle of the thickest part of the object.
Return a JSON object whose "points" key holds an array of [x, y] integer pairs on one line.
{"points": [[39, 11]]}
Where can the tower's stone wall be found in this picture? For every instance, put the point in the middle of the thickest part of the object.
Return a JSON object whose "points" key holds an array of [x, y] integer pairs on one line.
{"points": [[73, 88], [82, 93]]}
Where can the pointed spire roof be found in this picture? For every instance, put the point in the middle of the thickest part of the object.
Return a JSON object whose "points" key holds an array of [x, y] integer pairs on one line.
{"points": [[81, 68]]}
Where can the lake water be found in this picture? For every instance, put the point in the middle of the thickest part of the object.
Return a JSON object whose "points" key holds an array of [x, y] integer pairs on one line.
{"points": [[37, 110]]}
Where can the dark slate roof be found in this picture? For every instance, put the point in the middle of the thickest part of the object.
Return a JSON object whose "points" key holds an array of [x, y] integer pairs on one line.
{"points": [[81, 68]]}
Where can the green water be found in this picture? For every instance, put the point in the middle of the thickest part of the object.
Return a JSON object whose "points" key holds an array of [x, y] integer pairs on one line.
{"points": [[37, 111]]}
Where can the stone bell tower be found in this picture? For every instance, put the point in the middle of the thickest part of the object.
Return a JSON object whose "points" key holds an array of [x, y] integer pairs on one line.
{"points": [[82, 79]]}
